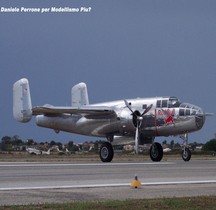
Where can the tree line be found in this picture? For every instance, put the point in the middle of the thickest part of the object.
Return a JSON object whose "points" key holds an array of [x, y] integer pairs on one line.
{"points": [[12, 143], [15, 143]]}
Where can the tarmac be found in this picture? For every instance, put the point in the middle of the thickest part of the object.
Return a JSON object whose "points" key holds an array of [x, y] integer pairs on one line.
{"points": [[23, 183]]}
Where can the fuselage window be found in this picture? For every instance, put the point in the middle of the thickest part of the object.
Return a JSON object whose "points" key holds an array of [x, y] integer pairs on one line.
{"points": [[144, 106], [158, 103], [164, 103]]}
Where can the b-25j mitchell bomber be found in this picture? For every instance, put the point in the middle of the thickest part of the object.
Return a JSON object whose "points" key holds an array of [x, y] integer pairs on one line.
{"points": [[125, 121]]}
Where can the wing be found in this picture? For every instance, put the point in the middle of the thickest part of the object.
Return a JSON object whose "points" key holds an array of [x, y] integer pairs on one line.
{"points": [[89, 112]]}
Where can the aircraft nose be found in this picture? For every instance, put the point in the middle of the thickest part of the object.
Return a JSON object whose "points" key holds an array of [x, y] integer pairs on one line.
{"points": [[187, 109], [199, 117]]}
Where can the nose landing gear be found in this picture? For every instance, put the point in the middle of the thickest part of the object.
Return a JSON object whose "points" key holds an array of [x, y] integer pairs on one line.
{"points": [[186, 153]]}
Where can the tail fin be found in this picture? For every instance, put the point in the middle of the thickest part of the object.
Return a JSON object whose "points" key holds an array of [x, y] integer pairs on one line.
{"points": [[22, 106], [79, 95]]}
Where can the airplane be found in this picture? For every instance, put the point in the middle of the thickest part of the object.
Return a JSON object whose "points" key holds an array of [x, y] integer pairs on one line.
{"points": [[136, 121], [34, 151], [167, 150]]}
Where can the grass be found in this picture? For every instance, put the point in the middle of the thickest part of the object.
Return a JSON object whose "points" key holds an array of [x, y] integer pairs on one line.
{"points": [[191, 203]]}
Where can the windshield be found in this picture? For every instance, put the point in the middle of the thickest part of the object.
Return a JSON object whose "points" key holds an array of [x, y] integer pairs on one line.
{"points": [[173, 102]]}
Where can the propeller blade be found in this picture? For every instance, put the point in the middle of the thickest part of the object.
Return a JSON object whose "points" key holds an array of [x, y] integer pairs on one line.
{"points": [[137, 120], [128, 106], [147, 109], [137, 140]]}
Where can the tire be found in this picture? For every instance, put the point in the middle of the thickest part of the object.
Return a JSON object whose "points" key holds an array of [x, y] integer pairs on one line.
{"points": [[186, 154], [106, 152], [156, 152]]}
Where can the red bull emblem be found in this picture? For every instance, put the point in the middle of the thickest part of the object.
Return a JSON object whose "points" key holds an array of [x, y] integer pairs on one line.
{"points": [[169, 120], [167, 115]]}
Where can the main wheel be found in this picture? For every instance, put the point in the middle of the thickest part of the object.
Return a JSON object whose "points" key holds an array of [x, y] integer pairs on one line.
{"points": [[156, 152], [106, 152], [186, 154]]}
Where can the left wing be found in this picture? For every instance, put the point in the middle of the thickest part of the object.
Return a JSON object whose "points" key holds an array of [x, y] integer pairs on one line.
{"points": [[90, 112]]}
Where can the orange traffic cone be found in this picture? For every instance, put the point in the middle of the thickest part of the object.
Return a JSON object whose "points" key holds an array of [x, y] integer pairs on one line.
{"points": [[136, 183]]}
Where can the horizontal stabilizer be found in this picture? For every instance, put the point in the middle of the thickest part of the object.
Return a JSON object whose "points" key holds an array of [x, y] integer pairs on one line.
{"points": [[22, 106]]}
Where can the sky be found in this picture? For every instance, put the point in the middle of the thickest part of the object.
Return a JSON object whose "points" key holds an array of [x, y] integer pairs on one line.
{"points": [[120, 49]]}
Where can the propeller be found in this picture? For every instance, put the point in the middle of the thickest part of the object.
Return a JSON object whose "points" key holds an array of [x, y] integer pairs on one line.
{"points": [[137, 121]]}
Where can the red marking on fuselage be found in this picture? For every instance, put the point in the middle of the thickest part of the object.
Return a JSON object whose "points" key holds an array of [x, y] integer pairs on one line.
{"points": [[169, 120], [156, 130], [166, 112]]}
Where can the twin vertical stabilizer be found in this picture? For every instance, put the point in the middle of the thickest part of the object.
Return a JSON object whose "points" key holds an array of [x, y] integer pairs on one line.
{"points": [[79, 95], [22, 106]]}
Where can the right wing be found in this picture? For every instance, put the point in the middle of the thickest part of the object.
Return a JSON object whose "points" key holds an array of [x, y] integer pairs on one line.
{"points": [[23, 111]]}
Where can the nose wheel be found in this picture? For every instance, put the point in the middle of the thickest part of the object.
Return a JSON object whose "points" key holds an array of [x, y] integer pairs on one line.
{"points": [[186, 153]]}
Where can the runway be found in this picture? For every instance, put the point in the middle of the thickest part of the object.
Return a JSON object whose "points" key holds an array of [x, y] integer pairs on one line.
{"points": [[31, 182]]}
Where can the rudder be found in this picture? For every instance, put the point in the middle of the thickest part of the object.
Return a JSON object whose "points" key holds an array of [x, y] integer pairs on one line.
{"points": [[22, 106], [79, 95]]}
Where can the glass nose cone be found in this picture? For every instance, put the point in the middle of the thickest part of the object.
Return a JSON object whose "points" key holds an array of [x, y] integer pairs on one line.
{"points": [[187, 109], [200, 118]]}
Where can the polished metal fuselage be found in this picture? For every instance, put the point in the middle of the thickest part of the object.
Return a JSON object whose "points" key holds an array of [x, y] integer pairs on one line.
{"points": [[159, 121]]}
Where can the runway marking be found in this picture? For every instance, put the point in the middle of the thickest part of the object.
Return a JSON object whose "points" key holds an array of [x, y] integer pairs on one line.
{"points": [[108, 185], [23, 164]]}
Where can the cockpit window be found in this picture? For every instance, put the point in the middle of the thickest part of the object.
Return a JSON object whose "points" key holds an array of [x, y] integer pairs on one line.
{"points": [[173, 102], [164, 103]]}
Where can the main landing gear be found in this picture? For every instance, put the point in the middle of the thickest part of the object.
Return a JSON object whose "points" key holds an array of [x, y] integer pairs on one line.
{"points": [[186, 153], [107, 152], [156, 152]]}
